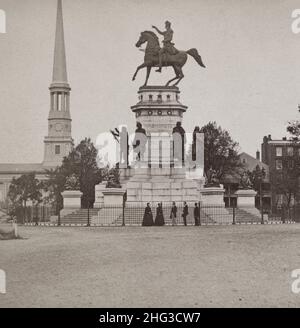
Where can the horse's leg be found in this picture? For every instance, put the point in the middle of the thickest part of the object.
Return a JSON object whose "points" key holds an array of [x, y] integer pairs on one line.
{"points": [[147, 76], [175, 78], [137, 70], [181, 76]]}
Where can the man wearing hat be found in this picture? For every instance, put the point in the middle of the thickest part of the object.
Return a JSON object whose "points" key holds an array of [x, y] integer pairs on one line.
{"points": [[168, 46]]}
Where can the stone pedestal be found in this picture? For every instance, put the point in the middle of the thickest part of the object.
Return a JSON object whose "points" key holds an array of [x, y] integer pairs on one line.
{"points": [[160, 177], [212, 196], [99, 197], [72, 199], [246, 206], [113, 196], [246, 198]]}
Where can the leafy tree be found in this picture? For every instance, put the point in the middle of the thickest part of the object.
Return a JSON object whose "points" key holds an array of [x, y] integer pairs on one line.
{"points": [[294, 128], [81, 163], [220, 151], [286, 184], [54, 186], [24, 189], [257, 177]]}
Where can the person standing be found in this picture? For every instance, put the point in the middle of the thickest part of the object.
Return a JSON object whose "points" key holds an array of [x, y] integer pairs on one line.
{"points": [[173, 214], [185, 212], [148, 217], [159, 220], [197, 215]]}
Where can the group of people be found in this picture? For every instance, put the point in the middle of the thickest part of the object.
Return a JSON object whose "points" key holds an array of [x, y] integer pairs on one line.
{"points": [[159, 218]]}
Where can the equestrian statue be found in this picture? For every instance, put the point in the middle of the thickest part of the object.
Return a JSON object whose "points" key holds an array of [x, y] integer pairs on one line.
{"points": [[167, 56]]}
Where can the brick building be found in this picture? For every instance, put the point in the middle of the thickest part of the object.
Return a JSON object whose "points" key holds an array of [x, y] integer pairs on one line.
{"points": [[282, 157]]}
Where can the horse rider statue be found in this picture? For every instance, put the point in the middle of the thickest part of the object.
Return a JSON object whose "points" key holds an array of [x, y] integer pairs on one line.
{"points": [[168, 45]]}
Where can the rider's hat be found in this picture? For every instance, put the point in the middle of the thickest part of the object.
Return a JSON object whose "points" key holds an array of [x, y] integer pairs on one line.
{"points": [[168, 23]]}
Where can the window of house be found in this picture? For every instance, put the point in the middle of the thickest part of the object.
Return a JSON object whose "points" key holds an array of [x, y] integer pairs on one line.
{"points": [[279, 151], [150, 97], [290, 164], [290, 151], [159, 98], [168, 97], [57, 150], [278, 164], [279, 199]]}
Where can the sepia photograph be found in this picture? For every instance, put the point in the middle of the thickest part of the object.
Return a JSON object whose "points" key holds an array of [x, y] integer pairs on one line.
{"points": [[149, 157]]}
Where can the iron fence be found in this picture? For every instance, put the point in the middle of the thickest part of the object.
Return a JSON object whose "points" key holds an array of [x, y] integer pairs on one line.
{"points": [[133, 214], [34, 214]]}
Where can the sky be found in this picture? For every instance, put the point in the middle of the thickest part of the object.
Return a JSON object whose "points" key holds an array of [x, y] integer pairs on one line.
{"points": [[251, 86]]}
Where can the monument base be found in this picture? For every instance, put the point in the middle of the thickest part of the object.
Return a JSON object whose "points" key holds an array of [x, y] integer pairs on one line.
{"points": [[245, 197], [246, 203], [72, 199], [162, 185], [212, 196]]}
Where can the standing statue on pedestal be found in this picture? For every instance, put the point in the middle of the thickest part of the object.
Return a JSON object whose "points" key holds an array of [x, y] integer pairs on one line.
{"points": [[179, 141], [140, 141], [167, 56]]}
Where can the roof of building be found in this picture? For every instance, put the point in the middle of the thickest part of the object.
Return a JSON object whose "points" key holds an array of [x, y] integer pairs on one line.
{"points": [[250, 164], [21, 168]]}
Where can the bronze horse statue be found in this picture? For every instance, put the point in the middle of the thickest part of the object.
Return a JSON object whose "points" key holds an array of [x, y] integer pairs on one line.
{"points": [[176, 61]]}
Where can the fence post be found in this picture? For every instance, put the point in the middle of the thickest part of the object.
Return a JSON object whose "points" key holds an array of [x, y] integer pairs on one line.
{"points": [[88, 223], [233, 215], [123, 214], [282, 214], [199, 213], [58, 218], [262, 214]]}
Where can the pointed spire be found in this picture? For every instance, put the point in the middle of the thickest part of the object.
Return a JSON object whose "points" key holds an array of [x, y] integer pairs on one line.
{"points": [[60, 65]]}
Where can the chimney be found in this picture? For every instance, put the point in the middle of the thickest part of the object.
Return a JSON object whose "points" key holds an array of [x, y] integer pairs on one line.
{"points": [[269, 137], [258, 155]]}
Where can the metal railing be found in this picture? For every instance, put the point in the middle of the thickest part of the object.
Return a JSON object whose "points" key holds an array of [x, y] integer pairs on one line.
{"points": [[133, 214]]}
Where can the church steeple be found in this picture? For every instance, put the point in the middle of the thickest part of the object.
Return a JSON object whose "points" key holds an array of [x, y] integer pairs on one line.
{"points": [[60, 64], [58, 143]]}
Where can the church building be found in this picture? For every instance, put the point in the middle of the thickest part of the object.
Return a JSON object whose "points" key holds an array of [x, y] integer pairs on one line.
{"points": [[58, 143]]}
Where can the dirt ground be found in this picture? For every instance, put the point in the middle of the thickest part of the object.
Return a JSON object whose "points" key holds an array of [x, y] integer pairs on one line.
{"points": [[214, 266]]}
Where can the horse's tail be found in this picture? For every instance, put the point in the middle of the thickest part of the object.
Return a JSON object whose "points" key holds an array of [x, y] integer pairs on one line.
{"points": [[194, 53]]}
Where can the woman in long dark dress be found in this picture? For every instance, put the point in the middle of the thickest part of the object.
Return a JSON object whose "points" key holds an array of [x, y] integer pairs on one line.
{"points": [[148, 217], [159, 220]]}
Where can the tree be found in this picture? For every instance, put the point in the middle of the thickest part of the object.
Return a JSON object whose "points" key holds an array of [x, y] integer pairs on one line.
{"points": [[23, 189], [294, 128], [82, 164], [54, 186], [257, 177], [220, 151], [286, 184]]}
